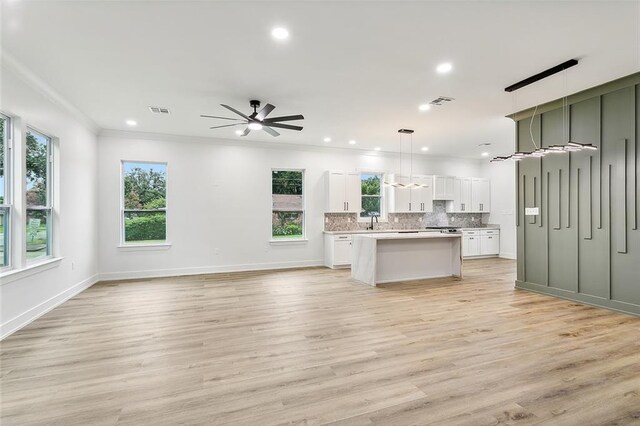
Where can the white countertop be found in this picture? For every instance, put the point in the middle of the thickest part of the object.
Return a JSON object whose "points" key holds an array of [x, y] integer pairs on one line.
{"points": [[409, 236], [386, 231]]}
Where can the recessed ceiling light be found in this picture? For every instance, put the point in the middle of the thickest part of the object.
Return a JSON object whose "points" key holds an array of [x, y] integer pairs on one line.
{"points": [[424, 107], [352, 142], [255, 126], [377, 148], [327, 139], [280, 33], [485, 154], [239, 132], [424, 148], [444, 68], [131, 122]]}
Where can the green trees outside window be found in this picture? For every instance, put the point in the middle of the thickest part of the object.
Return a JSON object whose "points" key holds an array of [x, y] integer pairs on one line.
{"points": [[38, 195], [371, 194], [287, 216], [145, 191]]}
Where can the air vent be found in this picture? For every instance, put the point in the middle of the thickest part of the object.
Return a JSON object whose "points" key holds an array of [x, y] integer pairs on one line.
{"points": [[441, 100], [159, 110]]}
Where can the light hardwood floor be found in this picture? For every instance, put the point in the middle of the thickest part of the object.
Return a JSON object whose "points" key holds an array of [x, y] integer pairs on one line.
{"points": [[310, 346]]}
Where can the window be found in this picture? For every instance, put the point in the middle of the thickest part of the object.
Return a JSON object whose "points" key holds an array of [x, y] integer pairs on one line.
{"points": [[38, 195], [287, 196], [5, 206], [372, 203], [144, 204]]}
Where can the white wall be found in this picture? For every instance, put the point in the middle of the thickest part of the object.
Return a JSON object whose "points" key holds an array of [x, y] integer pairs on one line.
{"points": [[503, 203], [75, 232], [219, 197]]}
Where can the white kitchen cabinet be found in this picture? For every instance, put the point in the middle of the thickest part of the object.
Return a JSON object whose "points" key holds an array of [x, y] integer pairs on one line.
{"points": [[411, 200], [489, 243], [470, 244], [343, 192], [422, 197], [443, 187], [337, 250], [461, 202], [480, 195], [480, 242]]}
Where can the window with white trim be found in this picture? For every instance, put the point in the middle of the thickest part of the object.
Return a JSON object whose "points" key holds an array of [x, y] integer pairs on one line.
{"points": [[38, 195], [287, 205], [372, 195], [144, 203], [5, 191]]}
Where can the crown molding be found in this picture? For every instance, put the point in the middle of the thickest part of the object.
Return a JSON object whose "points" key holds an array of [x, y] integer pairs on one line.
{"points": [[9, 62]]}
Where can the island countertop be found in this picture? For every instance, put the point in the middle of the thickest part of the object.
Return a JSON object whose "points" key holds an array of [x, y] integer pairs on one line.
{"points": [[409, 235]]}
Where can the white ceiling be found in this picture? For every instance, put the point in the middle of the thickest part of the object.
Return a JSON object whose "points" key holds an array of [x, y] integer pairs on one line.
{"points": [[356, 70]]}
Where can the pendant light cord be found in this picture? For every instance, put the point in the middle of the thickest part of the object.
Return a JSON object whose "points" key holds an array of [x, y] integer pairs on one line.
{"points": [[531, 127]]}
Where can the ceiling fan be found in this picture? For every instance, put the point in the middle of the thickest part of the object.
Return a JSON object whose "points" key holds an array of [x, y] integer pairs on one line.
{"points": [[258, 119]]}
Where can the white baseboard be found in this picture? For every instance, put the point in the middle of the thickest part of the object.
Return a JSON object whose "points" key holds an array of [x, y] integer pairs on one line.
{"points": [[36, 312], [508, 256], [175, 272]]}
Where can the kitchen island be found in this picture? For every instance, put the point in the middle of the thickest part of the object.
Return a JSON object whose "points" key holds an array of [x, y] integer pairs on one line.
{"points": [[390, 257]]}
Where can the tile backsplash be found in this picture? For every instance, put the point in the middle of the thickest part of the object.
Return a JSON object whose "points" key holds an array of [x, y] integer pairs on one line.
{"points": [[439, 217]]}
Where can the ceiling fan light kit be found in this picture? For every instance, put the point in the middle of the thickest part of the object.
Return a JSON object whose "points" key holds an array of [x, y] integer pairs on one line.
{"points": [[539, 152], [258, 119]]}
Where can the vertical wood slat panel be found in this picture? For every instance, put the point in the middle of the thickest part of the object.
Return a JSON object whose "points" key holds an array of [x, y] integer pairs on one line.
{"points": [[558, 216], [517, 191], [621, 188], [532, 219], [634, 184], [589, 210], [600, 171], [547, 242], [524, 227], [568, 209], [578, 230], [610, 178], [539, 195]]}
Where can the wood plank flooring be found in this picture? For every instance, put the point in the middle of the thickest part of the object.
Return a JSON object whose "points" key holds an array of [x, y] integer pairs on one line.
{"points": [[310, 346]]}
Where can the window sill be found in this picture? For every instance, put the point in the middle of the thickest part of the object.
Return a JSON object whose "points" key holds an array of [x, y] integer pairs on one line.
{"points": [[32, 269], [144, 247], [291, 241]]}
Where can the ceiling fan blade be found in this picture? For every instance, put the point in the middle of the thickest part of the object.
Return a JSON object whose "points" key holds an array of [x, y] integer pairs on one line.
{"points": [[235, 110], [265, 111], [221, 118], [226, 125], [246, 132], [284, 118], [270, 131], [284, 126]]}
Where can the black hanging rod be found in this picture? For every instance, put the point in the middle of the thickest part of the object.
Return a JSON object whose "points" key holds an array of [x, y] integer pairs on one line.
{"points": [[544, 74]]}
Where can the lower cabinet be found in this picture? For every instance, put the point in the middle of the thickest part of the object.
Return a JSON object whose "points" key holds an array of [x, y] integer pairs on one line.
{"points": [[481, 243], [337, 250]]}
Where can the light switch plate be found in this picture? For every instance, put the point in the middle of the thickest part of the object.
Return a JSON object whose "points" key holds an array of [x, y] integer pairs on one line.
{"points": [[532, 211]]}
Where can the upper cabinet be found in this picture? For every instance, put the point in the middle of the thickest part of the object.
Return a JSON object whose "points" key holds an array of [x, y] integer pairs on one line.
{"points": [[411, 200], [461, 202], [480, 195], [343, 192], [470, 195], [443, 187]]}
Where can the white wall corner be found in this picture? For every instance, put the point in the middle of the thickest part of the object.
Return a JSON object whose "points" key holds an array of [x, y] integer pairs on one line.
{"points": [[27, 317], [9, 62]]}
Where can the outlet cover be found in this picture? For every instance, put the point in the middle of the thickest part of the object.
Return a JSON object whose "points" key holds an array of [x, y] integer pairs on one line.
{"points": [[395, 219], [532, 211]]}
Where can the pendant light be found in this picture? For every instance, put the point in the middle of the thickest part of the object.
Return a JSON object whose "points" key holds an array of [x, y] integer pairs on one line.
{"points": [[411, 183], [539, 151]]}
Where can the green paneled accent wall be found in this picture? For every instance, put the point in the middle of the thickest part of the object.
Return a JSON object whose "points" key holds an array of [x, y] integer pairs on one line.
{"points": [[585, 243]]}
